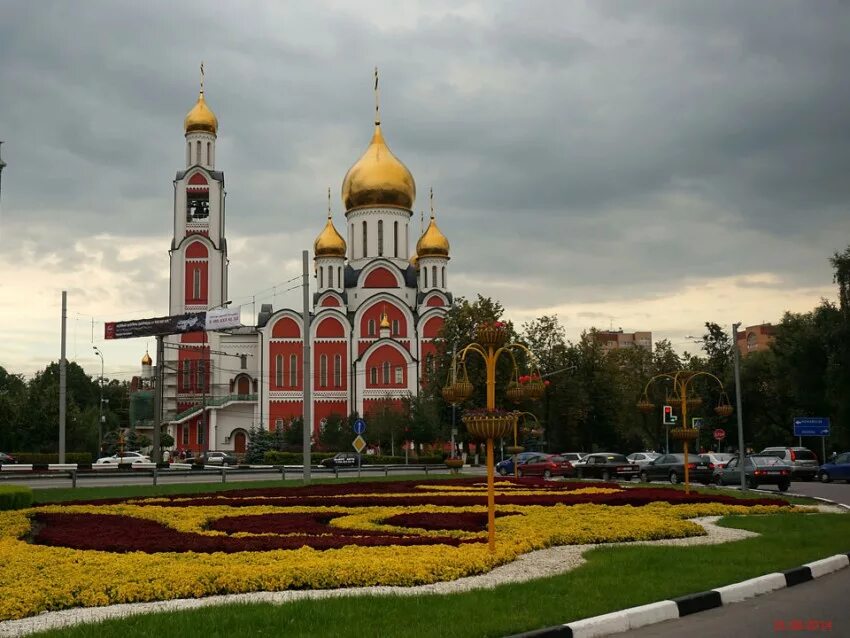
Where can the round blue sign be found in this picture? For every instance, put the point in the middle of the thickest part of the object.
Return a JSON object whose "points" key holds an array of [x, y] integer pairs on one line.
{"points": [[359, 426]]}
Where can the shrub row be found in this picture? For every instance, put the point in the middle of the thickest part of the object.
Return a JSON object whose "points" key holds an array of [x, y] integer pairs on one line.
{"points": [[15, 497], [44, 459], [274, 457]]}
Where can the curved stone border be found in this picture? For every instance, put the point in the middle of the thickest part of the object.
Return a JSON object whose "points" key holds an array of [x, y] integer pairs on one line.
{"points": [[537, 564]]}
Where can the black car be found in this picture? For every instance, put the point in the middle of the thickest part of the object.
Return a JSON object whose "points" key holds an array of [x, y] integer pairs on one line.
{"points": [[219, 458], [341, 459], [671, 467], [758, 470], [607, 466]]}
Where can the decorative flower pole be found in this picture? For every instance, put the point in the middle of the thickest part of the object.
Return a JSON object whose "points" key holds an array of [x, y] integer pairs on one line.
{"points": [[679, 399], [489, 424]]}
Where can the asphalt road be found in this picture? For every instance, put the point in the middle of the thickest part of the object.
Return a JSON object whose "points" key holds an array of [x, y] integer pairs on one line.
{"points": [[823, 600]]}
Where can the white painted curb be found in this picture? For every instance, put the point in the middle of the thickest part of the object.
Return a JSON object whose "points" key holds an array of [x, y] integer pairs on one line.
{"points": [[751, 588], [828, 565]]}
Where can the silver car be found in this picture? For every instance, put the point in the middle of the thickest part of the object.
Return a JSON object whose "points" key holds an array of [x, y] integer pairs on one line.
{"points": [[642, 458], [804, 463]]}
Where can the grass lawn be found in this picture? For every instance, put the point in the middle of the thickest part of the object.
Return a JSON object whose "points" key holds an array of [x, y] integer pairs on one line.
{"points": [[613, 578]]}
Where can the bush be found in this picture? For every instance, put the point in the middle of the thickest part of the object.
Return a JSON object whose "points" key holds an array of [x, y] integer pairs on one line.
{"points": [[44, 459], [15, 497]]}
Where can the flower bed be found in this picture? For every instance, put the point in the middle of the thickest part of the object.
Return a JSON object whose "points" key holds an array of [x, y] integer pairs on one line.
{"points": [[395, 533]]}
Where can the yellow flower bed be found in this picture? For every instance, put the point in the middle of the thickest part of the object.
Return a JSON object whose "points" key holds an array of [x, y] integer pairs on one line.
{"points": [[38, 578]]}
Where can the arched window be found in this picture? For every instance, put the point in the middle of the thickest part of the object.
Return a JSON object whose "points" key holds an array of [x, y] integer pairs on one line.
{"points": [[209, 153], [188, 153], [196, 284], [371, 327], [365, 239], [444, 276], [337, 371], [202, 380], [434, 276], [321, 277], [197, 153], [278, 424], [278, 371], [429, 365], [351, 242], [373, 373], [386, 372], [323, 371], [406, 241], [330, 277], [395, 239], [380, 238], [293, 371], [395, 327], [425, 270], [339, 276], [187, 375]]}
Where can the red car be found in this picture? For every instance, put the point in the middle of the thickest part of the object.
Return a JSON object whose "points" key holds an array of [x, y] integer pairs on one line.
{"points": [[545, 465]]}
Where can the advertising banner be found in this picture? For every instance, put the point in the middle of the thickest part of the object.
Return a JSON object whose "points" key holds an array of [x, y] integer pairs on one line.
{"points": [[173, 324]]}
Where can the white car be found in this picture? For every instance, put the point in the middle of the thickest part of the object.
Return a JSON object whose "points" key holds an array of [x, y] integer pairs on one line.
{"points": [[642, 458], [128, 457]]}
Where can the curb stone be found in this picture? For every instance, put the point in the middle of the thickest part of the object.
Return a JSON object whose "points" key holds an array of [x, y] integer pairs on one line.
{"points": [[626, 619]]}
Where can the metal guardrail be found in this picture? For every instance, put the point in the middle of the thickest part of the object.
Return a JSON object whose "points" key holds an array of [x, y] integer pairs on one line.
{"points": [[149, 469]]}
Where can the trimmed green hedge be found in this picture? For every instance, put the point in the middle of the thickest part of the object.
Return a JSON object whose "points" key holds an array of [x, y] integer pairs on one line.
{"points": [[15, 497], [44, 459], [273, 457]]}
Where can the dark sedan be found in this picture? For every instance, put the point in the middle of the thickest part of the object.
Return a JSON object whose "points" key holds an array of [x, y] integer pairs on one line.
{"points": [[758, 470], [545, 465], [6, 459], [341, 459], [607, 466], [671, 467], [837, 469]]}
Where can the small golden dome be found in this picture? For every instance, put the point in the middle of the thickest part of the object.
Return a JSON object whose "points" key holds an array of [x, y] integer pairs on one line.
{"points": [[433, 242], [146, 360], [385, 321], [201, 118], [378, 178], [329, 243]]}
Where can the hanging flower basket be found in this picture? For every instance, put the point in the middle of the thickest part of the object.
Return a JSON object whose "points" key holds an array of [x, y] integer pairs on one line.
{"points": [[489, 425], [695, 402], [491, 334], [684, 434], [463, 390], [514, 449], [645, 406], [514, 392], [449, 393], [454, 464], [724, 410]]}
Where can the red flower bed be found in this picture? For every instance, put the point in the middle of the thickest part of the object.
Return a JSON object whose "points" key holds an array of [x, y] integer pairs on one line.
{"points": [[463, 521], [121, 534]]}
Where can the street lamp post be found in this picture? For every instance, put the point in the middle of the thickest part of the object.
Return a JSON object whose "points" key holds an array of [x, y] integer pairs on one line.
{"points": [[489, 424], [100, 411], [681, 382], [741, 448]]}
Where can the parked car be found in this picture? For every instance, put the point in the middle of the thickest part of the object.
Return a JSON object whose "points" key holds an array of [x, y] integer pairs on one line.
{"points": [[671, 467], [126, 458], [506, 466], [545, 465], [219, 458], [804, 463], [642, 458], [6, 459], [341, 459], [759, 469], [717, 459], [838, 469], [573, 457], [607, 466]]}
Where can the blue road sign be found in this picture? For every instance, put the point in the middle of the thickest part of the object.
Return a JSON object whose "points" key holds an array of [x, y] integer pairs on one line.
{"points": [[811, 426], [359, 426]]}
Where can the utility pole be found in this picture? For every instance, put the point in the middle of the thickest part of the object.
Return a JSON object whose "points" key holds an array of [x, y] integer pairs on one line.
{"points": [[308, 397], [100, 411], [739, 401], [159, 382], [454, 404], [63, 380]]}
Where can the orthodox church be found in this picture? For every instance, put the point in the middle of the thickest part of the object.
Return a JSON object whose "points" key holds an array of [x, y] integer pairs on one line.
{"points": [[377, 305]]}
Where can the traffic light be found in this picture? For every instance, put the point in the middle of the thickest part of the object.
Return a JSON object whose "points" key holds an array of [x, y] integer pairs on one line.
{"points": [[669, 417]]}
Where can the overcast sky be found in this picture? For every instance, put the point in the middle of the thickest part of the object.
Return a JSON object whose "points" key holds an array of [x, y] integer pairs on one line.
{"points": [[644, 165]]}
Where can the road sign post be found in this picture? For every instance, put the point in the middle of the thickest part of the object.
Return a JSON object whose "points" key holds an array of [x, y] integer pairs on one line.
{"points": [[359, 426]]}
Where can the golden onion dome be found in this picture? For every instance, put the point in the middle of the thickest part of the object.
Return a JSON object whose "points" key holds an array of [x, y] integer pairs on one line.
{"points": [[385, 321], [201, 118], [433, 242], [146, 360], [329, 243], [378, 178]]}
